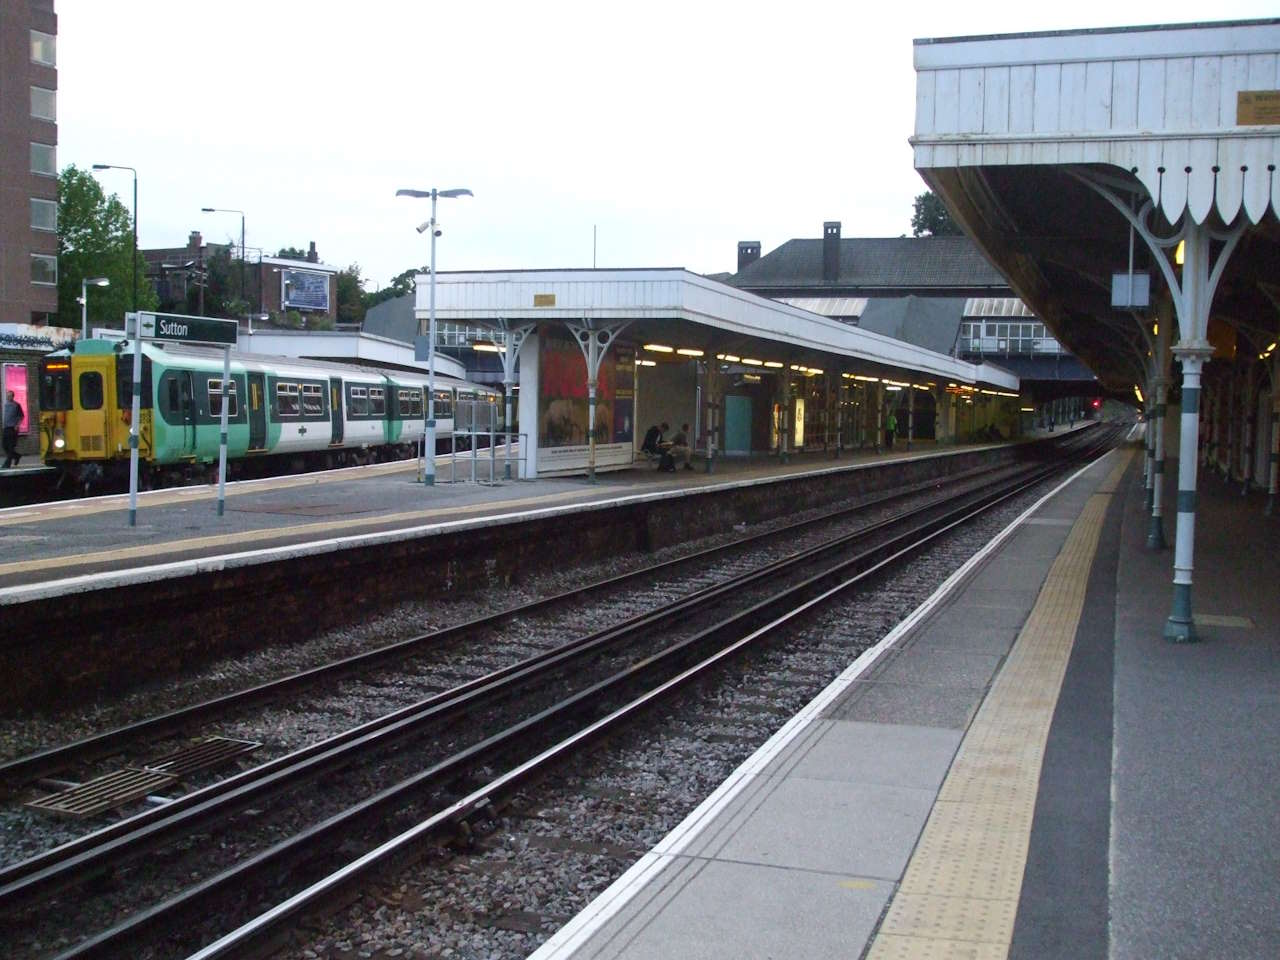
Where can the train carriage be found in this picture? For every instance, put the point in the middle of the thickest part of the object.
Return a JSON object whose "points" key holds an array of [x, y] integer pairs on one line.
{"points": [[283, 413]]}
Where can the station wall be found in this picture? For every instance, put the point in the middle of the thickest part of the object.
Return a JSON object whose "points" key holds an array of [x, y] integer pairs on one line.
{"points": [[666, 392]]}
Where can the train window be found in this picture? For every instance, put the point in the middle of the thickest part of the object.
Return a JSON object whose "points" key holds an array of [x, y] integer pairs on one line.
{"points": [[312, 400], [358, 402], [443, 404], [55, 385], [410, 403], [287, 399], [91, 390], [377, 402], [215, 399]]}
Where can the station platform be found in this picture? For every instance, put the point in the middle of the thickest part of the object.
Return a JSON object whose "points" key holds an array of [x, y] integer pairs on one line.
{"points": [[1024, 768], [64, 541]]}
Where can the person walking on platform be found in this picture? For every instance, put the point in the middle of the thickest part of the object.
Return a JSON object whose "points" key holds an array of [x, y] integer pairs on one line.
{"points": [[890, 428], [680, 449], [13, 414]]}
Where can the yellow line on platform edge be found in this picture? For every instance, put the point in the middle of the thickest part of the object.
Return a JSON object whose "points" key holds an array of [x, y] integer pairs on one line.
{"points": [[959, 895]]}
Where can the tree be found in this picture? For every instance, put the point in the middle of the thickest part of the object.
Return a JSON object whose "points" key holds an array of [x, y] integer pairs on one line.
{"points": [[292, 253], [931, 218], [400, 284], [350, 296], [95, 239]]}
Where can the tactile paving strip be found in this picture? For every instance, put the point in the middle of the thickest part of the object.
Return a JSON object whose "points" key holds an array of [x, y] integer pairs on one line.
{"points": [[959, 895]]}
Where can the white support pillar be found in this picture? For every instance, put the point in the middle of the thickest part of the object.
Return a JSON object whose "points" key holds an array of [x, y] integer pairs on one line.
{"points": [[515, 337], [1196, 296], [594, 337]]}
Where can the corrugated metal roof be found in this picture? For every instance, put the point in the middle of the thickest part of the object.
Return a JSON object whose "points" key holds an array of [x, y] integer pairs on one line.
{"points": [[996, 307], [829, 306]]}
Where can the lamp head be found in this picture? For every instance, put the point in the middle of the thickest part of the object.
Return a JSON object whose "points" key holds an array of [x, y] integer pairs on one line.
{"points": [[206, 210], [102, 166], [405, 192]]}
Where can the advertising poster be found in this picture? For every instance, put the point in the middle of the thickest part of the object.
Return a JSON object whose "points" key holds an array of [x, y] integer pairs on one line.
{"points": [[563, 412], [15, 379]]}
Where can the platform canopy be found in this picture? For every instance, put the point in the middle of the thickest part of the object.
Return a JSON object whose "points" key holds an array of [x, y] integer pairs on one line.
{"points": [[676, 305], [1023, 136]]}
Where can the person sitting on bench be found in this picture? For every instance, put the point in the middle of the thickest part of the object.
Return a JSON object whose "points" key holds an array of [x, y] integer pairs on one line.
{"points": [[679, 450], [652, 438]]}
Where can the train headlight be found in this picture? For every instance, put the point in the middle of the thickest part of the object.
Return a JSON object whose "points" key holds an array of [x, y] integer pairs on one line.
{"points": [[59, 441]]}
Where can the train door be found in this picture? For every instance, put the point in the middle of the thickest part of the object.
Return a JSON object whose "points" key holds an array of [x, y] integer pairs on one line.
{"points": [[257, 409], [187, 408], [91, 411], [335, 410]]}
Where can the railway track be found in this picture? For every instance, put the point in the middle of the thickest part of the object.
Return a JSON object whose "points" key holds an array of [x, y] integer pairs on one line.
{"points": [[566, 698], [165, 731]]}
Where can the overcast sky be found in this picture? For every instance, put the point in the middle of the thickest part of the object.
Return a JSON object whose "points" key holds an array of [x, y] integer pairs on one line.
{"points": [[673, 129]]}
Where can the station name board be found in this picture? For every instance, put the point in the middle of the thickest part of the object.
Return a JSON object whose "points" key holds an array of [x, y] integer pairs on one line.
{"points": [[182, 329]]}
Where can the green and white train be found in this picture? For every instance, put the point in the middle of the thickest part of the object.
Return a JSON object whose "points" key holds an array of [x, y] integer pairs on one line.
{"points": [[284, 414]]}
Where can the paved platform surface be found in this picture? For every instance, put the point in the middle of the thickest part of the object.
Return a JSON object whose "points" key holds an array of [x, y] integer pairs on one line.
{"points": [[44, 543], [1024, 769]]}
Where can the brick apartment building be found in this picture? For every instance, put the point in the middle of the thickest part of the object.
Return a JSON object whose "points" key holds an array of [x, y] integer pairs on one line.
{"points": [[28, 198]]}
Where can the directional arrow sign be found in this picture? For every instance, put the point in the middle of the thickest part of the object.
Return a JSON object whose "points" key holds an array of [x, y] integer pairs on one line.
{"points": [[182, 329]]}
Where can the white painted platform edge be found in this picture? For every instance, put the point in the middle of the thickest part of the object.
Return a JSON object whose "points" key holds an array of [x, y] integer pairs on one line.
{"points": [[574, 934]]}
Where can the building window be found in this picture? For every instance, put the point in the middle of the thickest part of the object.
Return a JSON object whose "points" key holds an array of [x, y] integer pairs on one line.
{"points": [[44, 159], [43, 48], [44, 269], [44, 103], [44, 215]]}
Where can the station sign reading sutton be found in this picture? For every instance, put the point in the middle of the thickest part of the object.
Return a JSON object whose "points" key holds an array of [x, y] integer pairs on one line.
{"points": [[182, 329]]}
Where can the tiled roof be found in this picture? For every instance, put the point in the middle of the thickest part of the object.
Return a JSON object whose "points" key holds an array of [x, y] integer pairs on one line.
{"points": [[897, 262]]}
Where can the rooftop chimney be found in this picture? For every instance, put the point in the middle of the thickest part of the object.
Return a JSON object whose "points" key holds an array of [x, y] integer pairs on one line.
{"points": [[748, 253], [313, 257], [195, 241], [831, 251]]}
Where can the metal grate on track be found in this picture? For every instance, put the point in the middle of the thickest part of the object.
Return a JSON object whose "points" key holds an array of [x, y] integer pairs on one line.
{"points": [[206, 753], [104, 793], [117, 789]]}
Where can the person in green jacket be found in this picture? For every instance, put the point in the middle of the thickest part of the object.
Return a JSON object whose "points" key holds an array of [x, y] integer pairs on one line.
{"points": [[890, 428]]}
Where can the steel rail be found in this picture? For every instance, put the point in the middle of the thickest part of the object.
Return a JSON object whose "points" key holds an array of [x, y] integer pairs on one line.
{"points": [[904, 542], [50, 761], [79, 860], [236, 942]]}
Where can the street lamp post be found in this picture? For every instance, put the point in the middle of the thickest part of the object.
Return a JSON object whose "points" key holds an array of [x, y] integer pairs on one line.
{"points": [[244, 296], [85, 283], [429, 409], [116, 166]]}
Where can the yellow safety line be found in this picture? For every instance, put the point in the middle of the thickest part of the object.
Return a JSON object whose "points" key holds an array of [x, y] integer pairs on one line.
{"points": [[959, 895]]}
